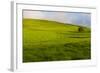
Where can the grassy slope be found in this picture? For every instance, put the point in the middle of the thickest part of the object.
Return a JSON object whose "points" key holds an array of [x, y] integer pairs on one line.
{"points": [[50, 41]]}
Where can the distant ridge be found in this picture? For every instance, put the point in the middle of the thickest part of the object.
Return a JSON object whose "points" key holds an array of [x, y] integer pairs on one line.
{"points": [[57, 22]]}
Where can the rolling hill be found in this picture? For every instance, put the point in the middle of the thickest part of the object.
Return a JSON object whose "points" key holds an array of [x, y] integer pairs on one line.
{"points": [[45, 40]]}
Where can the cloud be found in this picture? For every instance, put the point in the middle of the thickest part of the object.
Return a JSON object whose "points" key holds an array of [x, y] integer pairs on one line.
{"points": [[33, 14]]}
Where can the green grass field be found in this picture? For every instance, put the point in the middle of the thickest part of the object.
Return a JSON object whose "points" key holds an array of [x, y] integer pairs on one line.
{"points": [[45, 40]]}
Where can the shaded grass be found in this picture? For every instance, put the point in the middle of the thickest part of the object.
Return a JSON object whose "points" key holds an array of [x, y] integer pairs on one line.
{"points": [[69, 51]]}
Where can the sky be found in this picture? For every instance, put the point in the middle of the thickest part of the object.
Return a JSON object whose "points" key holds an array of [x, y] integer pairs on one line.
{"points": [[77, 18]]}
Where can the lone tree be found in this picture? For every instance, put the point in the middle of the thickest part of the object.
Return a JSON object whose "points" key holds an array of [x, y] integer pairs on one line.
{"points": [[80, 29]]}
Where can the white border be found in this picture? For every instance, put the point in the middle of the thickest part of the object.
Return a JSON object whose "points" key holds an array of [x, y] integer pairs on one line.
{"points": [[16, 61]]}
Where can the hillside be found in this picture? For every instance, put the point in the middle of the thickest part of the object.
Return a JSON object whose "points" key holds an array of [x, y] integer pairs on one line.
{"points": [[45, 40]]}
